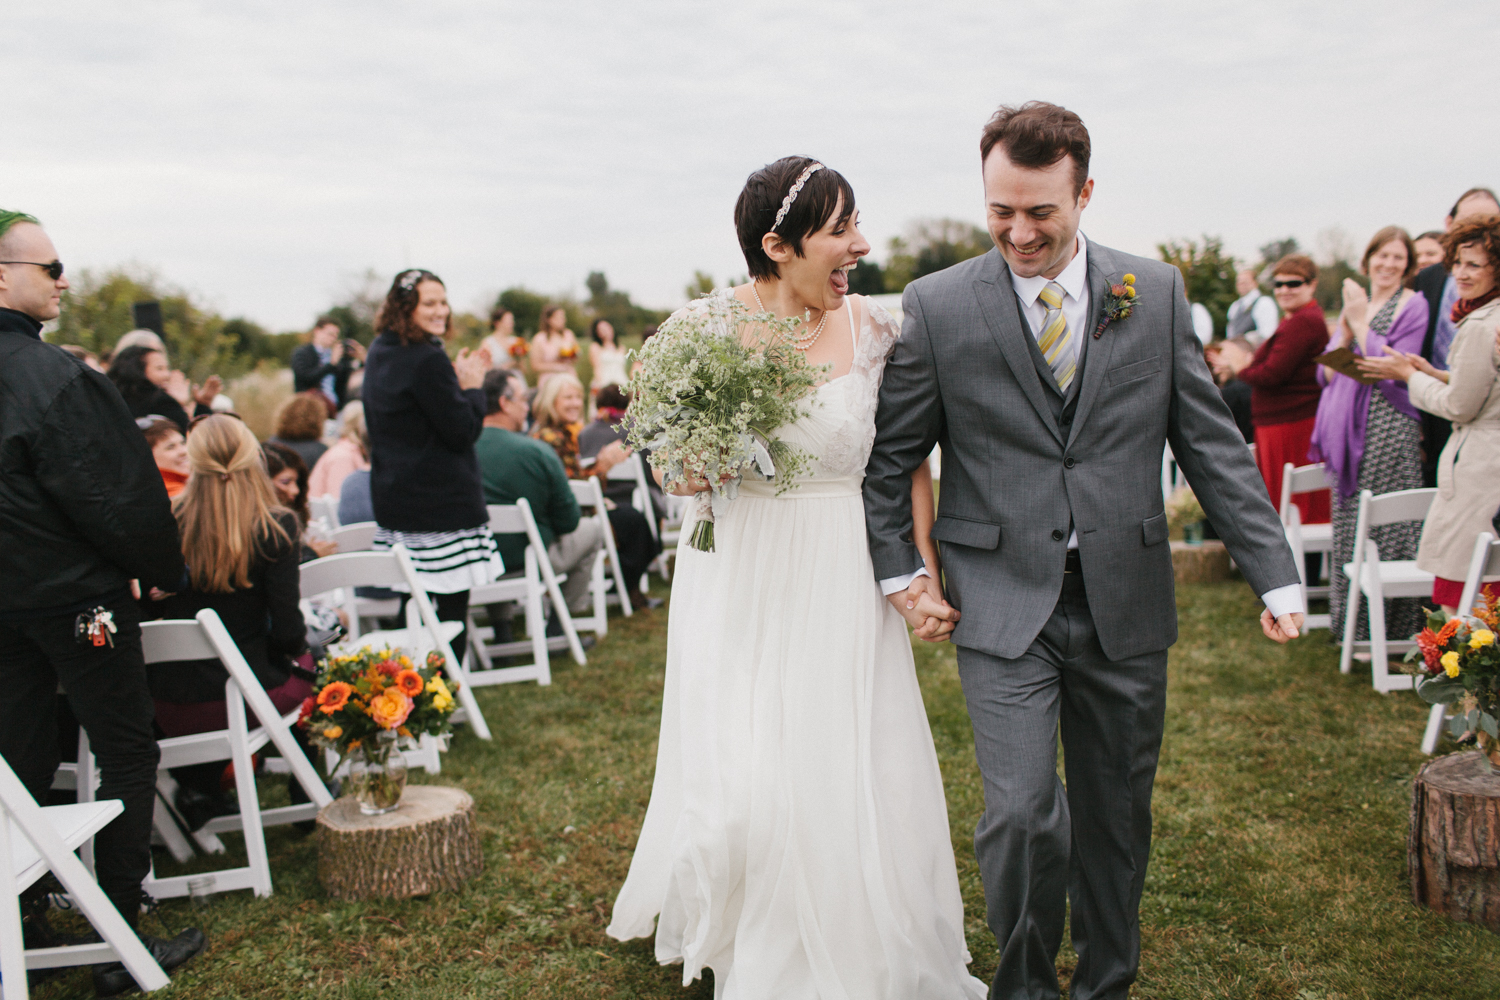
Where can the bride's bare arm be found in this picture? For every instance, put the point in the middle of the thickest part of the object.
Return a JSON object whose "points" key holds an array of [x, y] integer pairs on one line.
{"points": [[923, 512]]}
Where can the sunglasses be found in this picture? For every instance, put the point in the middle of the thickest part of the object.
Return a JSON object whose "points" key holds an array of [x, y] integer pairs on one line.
{"points": [[1293, 283], [54, 270]]}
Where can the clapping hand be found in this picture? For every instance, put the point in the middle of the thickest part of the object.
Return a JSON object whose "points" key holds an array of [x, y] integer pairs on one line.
{"points": [[209, 391], [1395, 365], [471, 366]]}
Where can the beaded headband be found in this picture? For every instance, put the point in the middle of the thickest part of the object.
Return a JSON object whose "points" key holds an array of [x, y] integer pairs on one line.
{"points": [[791, 196], [407, 280]]}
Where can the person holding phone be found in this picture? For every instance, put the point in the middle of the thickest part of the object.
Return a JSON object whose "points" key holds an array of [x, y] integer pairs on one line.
{"points": [[325, 362]]}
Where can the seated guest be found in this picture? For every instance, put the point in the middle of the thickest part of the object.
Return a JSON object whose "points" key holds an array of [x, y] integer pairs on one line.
{"points": [[289, 478], [1468, 394], [1369, 436], [608, 428], [556, 415], [512, 465], [149, 387], [355, 503], [241, 549], [349, 453], [299, 426], [169, 449]]}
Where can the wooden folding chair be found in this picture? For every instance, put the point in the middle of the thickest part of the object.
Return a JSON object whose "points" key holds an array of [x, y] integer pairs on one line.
{"points": [[1375, 579], [393, 568], [1305, 538], [1484, 567], [203, 639], [590, 496], [35, 840]]}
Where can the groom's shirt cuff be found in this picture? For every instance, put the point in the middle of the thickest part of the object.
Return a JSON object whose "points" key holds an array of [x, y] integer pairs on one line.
{"points": [[892, 584], [1285, 601]]}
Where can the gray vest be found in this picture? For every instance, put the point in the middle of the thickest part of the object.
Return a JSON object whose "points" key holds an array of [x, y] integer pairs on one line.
{"points": [[1245, 321]]}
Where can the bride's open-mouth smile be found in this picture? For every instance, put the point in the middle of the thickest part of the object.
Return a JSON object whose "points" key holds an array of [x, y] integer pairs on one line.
{"points": [[839, 279]]}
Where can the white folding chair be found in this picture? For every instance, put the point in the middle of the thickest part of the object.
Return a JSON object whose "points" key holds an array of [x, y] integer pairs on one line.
{"points": [[522, 586], [1305, 538], [1484, 567], [633, 470], [590, 496], [393, 568], [325, 509], [1375, 579], [359, 537], [35, 840]]}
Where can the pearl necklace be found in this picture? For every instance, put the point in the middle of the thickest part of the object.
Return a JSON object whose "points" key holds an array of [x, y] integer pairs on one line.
{"points": [[803, 343]]}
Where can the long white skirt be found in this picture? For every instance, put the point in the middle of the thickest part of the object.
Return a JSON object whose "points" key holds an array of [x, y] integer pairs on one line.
{"points": [[797, 838]]}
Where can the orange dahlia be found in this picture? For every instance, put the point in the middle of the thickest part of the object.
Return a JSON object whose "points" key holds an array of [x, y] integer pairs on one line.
{"points": [[409, 683], [334, 696]]}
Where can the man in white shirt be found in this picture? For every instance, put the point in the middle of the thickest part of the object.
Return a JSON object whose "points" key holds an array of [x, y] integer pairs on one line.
{"points": [[1253, 316]]}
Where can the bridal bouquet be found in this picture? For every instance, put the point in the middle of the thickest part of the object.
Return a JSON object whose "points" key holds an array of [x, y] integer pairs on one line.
{"points": [[715, 383], [1460, 665]]}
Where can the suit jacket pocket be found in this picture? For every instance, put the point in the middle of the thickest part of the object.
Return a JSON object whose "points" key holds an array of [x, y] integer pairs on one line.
{"points": [[959, 531], [1153, 530], [1137, 370]]}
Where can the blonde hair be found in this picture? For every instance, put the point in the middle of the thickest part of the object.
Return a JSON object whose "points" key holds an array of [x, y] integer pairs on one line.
{"points": [[353, 417], [544, 407], [227, 514]]}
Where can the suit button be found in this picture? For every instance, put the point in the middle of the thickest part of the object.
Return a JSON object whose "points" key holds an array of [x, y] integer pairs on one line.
{"points": [[1057, 534], [1068, 462]]}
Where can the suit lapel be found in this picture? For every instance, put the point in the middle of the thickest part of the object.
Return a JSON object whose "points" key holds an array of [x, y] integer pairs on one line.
{"points": [[1002, 313], [1093, 354]]}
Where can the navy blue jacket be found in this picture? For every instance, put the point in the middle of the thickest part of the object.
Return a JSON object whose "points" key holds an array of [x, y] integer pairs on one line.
{"points": [[423, 472]]}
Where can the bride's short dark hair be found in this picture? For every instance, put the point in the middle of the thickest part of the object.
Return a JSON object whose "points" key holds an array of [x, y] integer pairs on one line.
{"points": [[760, 200]]}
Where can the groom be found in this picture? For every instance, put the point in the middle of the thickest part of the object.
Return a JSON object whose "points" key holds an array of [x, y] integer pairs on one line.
{"points": [[1052, 391]]}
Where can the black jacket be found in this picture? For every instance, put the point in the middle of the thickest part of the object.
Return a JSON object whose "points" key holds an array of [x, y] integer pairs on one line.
{"points": [[263, 619], [424, 475], [308, 371], [82, 507], [1430, 282], [160, 403]]}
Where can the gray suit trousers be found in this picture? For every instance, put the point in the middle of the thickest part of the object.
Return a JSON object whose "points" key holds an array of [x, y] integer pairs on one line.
{"points": [[1038, 843]]}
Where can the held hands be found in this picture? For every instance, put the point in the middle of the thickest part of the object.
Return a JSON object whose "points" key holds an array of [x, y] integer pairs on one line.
{"points": [[922, 605], [1283, 629]]}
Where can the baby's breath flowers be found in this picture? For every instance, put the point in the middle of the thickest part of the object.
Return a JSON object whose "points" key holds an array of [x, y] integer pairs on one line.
{"points": [[715, 383]]}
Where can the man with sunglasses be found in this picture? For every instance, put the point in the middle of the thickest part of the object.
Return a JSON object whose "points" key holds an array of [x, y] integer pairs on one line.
{"points": [[83, 514]]}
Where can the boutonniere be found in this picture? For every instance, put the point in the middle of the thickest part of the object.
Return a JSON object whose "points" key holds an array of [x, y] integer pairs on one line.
{"points": [[1118, 303]]}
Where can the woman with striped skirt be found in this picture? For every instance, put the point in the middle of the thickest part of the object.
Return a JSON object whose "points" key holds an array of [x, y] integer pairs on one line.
{"points": [[424, 413]]}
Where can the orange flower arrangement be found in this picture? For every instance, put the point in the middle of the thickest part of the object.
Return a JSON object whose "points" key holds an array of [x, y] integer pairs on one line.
{"points": [[390, 708], [518, 348], [334, 696], [567, 352], [409, 683]]}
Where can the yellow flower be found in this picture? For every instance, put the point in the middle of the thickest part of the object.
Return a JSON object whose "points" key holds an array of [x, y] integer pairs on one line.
{"points": [[333, 732], [1129, 292], [1129, 279], [1450, 663], [1480, 638]]}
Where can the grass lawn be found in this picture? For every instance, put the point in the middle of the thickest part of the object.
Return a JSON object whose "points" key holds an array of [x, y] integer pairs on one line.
{"points": [[1278, 867]]}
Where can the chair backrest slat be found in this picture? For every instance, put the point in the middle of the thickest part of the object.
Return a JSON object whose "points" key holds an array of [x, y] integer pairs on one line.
{"points": [[506, 519], [350, 569], [356, 537], [1404, 505], [1302, 479], [169, 641]]}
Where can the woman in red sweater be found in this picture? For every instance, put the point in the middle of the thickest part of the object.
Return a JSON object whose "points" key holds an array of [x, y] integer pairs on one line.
{"points": [[1284, 382]]}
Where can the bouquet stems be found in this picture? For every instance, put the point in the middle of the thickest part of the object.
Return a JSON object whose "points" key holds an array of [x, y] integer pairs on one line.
{"points": [[702, 538]]}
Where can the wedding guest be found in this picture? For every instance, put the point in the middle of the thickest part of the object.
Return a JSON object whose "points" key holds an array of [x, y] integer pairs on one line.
{"points": [[513, 465], [1203, 322], [86, 356], [169, 450], [606, 429], [1284, 382], [69, 550], [240, 545], [1429, 249], [350, 453], [554, 349], [325, 361], [289, 477], [1253, 316], [149, 387], [424, 414], [507, 350], [299, 426], [1369, 437], [556, 414], [606, 357], [1468, 394], [1437, 286], [139, 338], [646, 334]]}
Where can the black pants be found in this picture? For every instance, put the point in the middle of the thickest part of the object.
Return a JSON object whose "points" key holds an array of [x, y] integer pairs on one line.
{"points": [[449, 608], [634, 542], [106, 689]]}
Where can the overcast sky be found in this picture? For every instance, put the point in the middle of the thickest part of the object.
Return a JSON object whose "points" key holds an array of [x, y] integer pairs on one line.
{"points": [[264, 155]]}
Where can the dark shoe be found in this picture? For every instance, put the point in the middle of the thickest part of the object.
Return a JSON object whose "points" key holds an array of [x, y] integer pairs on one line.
{"points": [[114, 979], [196, 808], [640, 600]]}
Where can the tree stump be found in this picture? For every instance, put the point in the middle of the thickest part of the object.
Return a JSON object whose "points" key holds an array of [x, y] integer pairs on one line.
{"points": [[1204, 563], [1453, 846], [428, 843]]}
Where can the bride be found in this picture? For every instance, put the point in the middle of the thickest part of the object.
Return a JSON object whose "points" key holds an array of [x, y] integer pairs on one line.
{"points": [[797, 838]]}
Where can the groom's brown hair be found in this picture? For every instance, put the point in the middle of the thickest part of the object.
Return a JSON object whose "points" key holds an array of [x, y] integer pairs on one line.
{"points": [[1037, 135]]}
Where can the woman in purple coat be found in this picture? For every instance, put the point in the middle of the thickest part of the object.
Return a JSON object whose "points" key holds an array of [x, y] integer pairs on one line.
{"points": [[1369, 436]]}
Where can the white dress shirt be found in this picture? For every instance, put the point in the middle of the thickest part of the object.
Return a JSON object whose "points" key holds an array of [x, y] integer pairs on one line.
{"points": [[1262, 310], [1075, 308]]}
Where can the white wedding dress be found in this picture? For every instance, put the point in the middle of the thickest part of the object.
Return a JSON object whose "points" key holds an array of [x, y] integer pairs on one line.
{"points": [[797, 838]]}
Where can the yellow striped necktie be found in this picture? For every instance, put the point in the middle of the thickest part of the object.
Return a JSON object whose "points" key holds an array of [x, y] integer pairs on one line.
{"points": [[1056, 340]]}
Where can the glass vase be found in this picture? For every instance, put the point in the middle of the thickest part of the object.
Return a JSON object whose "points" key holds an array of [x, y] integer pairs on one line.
{"points": [[1193, 533], [377, 775]]}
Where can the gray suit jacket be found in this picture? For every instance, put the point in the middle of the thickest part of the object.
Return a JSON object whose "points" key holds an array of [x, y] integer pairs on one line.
{"points": [[1023, 462]]}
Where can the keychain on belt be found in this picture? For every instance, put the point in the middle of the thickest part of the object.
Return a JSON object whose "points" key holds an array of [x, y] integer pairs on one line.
{"points": [[95, 627]]}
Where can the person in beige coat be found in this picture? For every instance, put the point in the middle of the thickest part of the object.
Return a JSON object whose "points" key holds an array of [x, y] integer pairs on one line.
{"points": [[1469, 395]]}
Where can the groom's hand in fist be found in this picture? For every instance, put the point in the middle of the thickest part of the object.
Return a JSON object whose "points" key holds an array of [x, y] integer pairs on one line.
{"points": [[925, 610], [1283, 629]]}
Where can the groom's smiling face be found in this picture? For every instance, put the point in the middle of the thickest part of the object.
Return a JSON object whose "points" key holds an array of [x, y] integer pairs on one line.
{"points": [[1033, 213]]}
